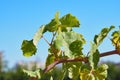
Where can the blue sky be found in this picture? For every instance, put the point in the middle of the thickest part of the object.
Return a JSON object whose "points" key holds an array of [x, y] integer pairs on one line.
{"points": [[20, 19]]}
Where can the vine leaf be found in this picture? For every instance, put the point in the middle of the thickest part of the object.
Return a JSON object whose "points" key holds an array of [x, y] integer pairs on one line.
{"points": [[63, 74], [37, 73], [69, 21], [50, 59], [100, 37], [28, 48], [65, 40], [38, 35], [53, 25], [64, 24], [116, 39], [73, 69], [58, 42], [69, 44], [69, 39], [99, 73], [57, 18], [76, 46], [51, 78], [86, 75], [94, 56]]}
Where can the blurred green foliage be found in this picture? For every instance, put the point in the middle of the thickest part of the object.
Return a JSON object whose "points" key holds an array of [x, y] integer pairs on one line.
{"points": [[113, 71], [16, 73]]}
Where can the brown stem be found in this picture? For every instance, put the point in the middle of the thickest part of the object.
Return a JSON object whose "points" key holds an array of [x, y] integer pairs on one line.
{"points": [[53, 37], [109, 53], [33, 78], [85, 59], [63, 61], [46, 41]]}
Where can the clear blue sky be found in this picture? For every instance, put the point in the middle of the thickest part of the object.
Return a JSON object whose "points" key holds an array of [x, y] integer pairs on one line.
{"points": [[20, 19]]}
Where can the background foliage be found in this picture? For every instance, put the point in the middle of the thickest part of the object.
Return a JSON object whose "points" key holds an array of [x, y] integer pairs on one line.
{"points": [[16, 72]]}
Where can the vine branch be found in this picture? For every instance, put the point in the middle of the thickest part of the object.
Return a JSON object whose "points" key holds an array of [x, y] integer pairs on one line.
{"points": [[85, 59], [109, 53], [53, 37], [46, 41]]}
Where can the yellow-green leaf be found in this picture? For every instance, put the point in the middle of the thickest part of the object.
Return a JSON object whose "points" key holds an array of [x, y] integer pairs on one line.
{"points": [[50, 59], [28, 48], [69, 21], [100, 37], [116, 39], [38, 34]]}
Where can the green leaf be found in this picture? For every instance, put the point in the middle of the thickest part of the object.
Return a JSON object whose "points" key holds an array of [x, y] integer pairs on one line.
{"points": [[85, 75], [38, 34], [62, 75], [94, 59], [103, 67], [100, 37], [50, 59], [53, 25], [51, 78], [94, 56], [69, 21], [116, 39], [37, 73], [101, 72], [57, 18], [94, 53], [66, 40], [63, 24], [58, 42], [73, 69], [76, 46], [28, 48], [69, 38]]}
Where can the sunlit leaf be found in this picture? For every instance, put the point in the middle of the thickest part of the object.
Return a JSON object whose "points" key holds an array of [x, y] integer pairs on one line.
{"points": [[50, 59], [93, 56], [100, 37], [37, 73], [65, 40], [28, 48], [101, 72], [63, 24], [57, 18], [69, 21], [62, 75], [58, 42], [76, 46], [38, 34], [52, 26], [67, 44], [73, 70], [87, 75], [94, 53], [51, 78], [116, 39], [72, 36], [69, 38]]}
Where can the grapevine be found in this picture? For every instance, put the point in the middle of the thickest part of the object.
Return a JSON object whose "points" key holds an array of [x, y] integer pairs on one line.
{"points": [[66, 48]]}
